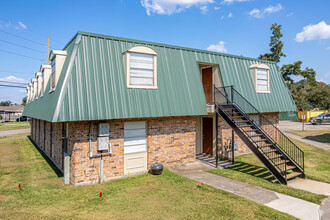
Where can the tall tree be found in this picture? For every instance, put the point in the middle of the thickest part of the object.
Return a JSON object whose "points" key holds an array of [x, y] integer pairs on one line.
{"points": [[24, 101], [276, 45], [294, 69]]}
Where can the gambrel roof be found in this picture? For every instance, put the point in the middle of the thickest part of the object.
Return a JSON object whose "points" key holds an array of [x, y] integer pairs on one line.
{"points": [[92, 84]]}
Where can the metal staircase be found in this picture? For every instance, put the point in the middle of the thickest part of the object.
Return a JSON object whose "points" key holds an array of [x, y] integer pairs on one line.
{"points": [[275, 150]]}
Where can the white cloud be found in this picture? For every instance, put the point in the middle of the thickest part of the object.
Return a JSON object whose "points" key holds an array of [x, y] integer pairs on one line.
{"points": [[204, 9], [230, 15], [222, 17], [14, 79], [22, 25], [328, 48], [318, 31], [326, 78], [260, 13], [169, 7], [290, 14], [216, 8], [220, 47], [232, 1]]}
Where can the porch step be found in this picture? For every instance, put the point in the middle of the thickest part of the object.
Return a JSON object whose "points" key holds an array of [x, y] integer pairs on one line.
{"points": [[293, 175], [277, 156], [290, 167], [281, 162], [257, 135]]}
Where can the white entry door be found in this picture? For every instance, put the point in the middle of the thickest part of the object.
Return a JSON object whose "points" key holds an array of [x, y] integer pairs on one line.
{"points": [[135, 147]]}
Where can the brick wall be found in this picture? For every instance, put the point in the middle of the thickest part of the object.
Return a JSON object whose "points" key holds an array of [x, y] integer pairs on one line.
{"points": [[171, 141]]}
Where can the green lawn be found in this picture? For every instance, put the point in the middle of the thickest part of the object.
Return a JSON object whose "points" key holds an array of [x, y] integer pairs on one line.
{"points": [[321, 136], [168, 196], [248, 168], [14, 126]]}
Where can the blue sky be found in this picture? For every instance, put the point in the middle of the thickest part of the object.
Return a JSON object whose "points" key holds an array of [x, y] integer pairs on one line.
{"points": [[238, 27]]}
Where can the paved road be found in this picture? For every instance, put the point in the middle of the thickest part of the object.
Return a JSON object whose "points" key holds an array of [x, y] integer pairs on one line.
{"points": [[296, 207], [297, 126], [11, 132]]}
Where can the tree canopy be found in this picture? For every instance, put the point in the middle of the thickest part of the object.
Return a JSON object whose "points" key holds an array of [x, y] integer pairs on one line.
{"points": [[276, 45]]}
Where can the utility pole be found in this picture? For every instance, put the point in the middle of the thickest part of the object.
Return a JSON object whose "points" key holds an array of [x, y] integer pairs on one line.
{"points": [[48, 50]]}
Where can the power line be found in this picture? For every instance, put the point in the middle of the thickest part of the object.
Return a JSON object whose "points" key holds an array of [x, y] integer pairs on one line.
{"points": [[15, 72], [21, 55], [4, 81], [13, 86], [23, 38], [23, 46]]}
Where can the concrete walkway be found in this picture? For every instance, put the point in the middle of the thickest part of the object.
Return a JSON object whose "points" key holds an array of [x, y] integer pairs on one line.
{"points": [[290, 205], [6, 139], [317, 188], [309, 141], [11, 132]]}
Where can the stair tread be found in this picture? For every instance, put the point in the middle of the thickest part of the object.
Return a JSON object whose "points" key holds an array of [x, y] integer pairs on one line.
{"points": [[293, 175], [275, 157], [281, 162], [256, 135], [290, 167]]}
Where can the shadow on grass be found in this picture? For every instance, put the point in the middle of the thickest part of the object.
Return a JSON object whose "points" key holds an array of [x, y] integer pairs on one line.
{"points": [[253, 170], [324, 138], [49, 161]]}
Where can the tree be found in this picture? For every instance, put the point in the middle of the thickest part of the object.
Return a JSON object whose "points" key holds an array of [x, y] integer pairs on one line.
{"points": [[276, 45], [308, 95], [24, 101], [294, 69], [5, 103]]}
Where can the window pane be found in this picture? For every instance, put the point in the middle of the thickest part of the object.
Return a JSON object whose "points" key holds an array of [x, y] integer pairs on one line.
{"points": [[141, 61], [262, 88], [141, 73], [142, 81], [262, 82], [141, 69]]}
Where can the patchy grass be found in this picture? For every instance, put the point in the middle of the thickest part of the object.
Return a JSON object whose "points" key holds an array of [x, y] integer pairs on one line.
{"points": [[168, 196], [14, 135], [249, 169], [14, 126], [321, 136]]}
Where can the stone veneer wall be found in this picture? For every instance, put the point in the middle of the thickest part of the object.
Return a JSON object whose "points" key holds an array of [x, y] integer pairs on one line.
{"points": [[171, 141], [225, 132]]}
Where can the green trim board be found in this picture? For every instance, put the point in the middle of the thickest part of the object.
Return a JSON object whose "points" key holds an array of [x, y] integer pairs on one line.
{"points": [[93, 86]]}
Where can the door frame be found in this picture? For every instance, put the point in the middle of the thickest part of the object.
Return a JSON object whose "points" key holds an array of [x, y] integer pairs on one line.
{"points": [[214, 136]]}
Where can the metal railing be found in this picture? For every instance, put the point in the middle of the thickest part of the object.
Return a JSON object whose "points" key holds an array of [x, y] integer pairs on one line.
{"points": [[228, 95]]}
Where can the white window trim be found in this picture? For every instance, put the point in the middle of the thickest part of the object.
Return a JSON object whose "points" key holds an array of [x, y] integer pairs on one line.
{"points": [[141, 50], [52, 89], [254, 70]]}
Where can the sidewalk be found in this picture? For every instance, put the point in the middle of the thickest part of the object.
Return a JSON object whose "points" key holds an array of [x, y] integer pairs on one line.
{"points": [[296, 207], [11, 132]]}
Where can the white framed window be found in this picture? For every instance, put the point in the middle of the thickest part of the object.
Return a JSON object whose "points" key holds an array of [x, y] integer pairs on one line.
{"points": [[53, 75], [260, 74], [135, 137], [141, 67]]}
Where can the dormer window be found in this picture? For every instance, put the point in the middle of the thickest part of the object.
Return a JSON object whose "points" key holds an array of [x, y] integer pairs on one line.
{"points": [[53, 75], [260, 74], [141, 67], [57, 59]]}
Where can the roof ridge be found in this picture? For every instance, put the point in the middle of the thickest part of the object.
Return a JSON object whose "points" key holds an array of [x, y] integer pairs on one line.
{"points": [[166, 45]]}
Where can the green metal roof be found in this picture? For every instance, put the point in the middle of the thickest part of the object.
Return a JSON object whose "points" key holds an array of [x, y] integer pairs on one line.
{"points": [[93, 86]]}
